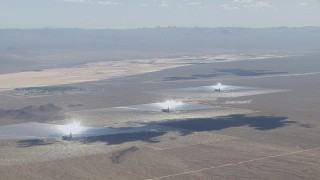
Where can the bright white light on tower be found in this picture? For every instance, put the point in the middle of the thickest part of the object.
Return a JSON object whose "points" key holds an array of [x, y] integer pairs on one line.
{"points": [[171, 104], [218, 87], [73, 128]]}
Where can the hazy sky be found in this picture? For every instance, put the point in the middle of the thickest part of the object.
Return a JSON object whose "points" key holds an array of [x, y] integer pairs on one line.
{"points": [[151, 13]]}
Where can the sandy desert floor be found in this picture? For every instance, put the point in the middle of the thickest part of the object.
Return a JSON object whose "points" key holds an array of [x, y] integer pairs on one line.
{"points": [[107, 70]]}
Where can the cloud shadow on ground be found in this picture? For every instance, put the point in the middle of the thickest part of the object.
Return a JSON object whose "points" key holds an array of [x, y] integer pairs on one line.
{"points": [[183, 126], [261, 123], [224, 72], [189, 126], [145, 136], [33, 142]]}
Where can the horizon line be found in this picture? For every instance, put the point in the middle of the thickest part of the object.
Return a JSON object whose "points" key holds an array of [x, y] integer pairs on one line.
{"points": [[161, 27]]}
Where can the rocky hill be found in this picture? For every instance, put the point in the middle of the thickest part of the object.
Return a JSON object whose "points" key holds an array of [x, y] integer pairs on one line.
{"points": [[42, 113]]}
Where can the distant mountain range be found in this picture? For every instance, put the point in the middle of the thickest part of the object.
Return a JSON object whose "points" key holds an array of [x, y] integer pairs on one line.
{"points": [[37, 49], [161, 39]]}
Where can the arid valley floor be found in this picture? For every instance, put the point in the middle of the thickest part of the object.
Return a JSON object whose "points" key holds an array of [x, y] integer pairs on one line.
{"points": [[268, 131]]}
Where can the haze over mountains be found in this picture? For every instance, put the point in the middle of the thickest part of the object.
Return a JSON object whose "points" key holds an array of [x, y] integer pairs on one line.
{"points": [[36, 49], [155, 39]]}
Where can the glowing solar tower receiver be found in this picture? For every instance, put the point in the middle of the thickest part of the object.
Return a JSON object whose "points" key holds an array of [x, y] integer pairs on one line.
{"points": [[171, 104], [218, 87], [71, 129]]}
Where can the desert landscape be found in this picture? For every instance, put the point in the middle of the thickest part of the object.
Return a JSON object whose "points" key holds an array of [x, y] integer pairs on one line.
{"points": [[159, 90], [261, 122]]}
